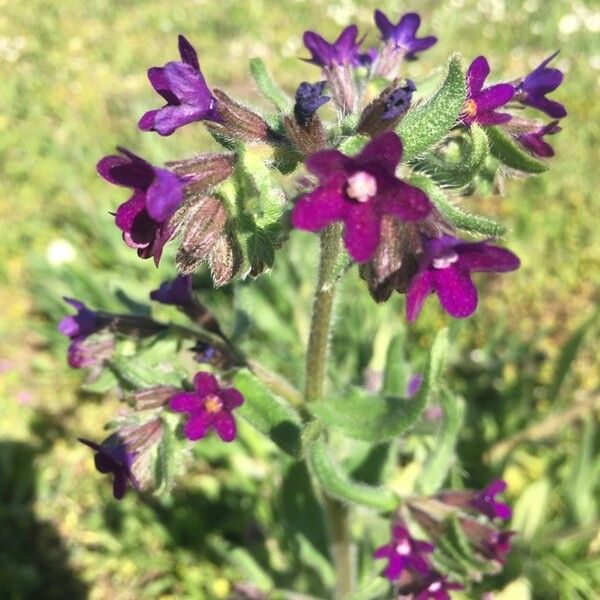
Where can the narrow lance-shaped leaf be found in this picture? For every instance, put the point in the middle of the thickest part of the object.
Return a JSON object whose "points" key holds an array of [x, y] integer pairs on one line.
{"points": [[165, 461], [426, 125], [269, 87], [137, 372], [509, 152], [396, 374]]}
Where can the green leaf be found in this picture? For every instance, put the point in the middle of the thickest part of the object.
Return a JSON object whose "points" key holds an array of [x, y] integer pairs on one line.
{"points": [[458, 217], [443, 455], [269, 87], [331, 476], [426, 125], [105, 382], [396, 374], [165, 466], [509, 152], [139, 372], [377, 419], [375, 588], [353, 145], [268, 413]]}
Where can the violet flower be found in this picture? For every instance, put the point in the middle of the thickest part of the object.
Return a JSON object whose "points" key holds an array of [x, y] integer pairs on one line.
{"points": [[532, 90], [175, 292], [535, 143], [492, 544], [481, 104], [344, 51], [114, 458], [403, 35], [209, 406], [157, 194], [84, 323], [359, 191], [183, 87], [404, 552], [485, 501], [309, 98], [446, 266], [436, 587]]}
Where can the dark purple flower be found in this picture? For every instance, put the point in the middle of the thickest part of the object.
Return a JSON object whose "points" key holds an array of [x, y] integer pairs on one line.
{"points": [[112, 457], [403, 35], [532, 90], [398, 102], [535, 143], [344, 51], [485, 501], [157, 194], [84, 323], [366, 59], [489, 542], [85, 352], [209, 405], [446, 266], [359, 191], [176, 292], [309, 98], [436, 587], [404, 552], [481, 104], [182, 85]]}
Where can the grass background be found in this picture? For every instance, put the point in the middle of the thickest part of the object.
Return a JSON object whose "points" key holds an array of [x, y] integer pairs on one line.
{"points": [[73, 86]]}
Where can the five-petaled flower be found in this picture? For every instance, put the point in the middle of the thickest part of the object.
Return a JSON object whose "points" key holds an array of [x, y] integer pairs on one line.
{"points": [[481, 104], [404, 552], [157, 194], [446, 266], [359, 191], [534, 140], [485, 501], [176, 292], [183, 87], [403, 35], [208, 406], [344, 51], [113, 457], [532, 90]]}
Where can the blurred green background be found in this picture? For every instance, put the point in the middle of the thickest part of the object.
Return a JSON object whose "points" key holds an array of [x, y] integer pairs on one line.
{"points": [[73, 86]]}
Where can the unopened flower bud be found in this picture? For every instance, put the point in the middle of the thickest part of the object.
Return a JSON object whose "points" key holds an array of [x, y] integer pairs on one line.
{"points": [[201, 173], [153, 397]]}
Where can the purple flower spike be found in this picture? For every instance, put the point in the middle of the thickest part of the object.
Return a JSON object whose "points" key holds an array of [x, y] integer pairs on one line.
{"points": [[436, 587], [485, 501], [532, 90], [481, 104], [359, 191], [403, 35], [157, 194], [209, 405], [176, 292], [309, 98], [445, 269], [344, 51], [114, 458], [81, 325], [188, 97], [404, 552], [535, 143]]}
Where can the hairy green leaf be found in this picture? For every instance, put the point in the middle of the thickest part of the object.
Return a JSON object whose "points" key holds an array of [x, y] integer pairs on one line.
{"points": [[509, 152], [396, 374], [268, 86], [353, 145]]}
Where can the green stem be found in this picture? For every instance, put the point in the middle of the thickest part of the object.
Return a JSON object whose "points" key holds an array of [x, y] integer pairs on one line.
{"points": [[316, 368]]}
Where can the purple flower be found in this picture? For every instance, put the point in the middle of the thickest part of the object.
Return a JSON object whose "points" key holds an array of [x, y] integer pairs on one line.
{"points": [[446, 266], [436, 587], [535, 143], [481, 104], [489, 542], [398, 102], [182, 85], [176, 292], [359, 191], [344, 51], [532, 90], [157, 194], [84, 323], [404, 552], [309, 98], [112, 457], [209, 405], [403, 35], [485, 501]]}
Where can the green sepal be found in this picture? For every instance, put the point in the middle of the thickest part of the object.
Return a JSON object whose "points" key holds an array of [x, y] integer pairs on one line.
{"points": [[426, 125], [268, 413], [458, 217], [354, 144], [510, 153], [269, 87]]}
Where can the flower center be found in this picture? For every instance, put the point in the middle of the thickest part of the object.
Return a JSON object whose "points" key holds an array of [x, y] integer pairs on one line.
{"points": [[443, 262], [213, 404], [470, 108], [436, 586], [361, 186], [403, 548]]}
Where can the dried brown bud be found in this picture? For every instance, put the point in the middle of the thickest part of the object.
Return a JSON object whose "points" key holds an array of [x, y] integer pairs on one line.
{"points": [[133, 325], [307, 139], [153, 397], [203, 172], [224, 260], [341, 84]]}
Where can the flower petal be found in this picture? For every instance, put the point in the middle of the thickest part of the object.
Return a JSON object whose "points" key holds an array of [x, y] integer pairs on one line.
{"points": [[232, 398], [120, 484], [326, 162], [185, 402], [494, 96], [197, 425], [319, 208], [187, 53], [384, 25], [492, 118], [404, 201], [362, 231], [206, 383], [224, 424], [486, 257], [159, 81], [457, 294], [385, 151], [420, 287], [164, 195], [477, 74]]}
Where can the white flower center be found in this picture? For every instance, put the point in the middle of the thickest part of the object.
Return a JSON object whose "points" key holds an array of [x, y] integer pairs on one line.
{"points": [[403, 548], [443, 262], [436, 586], [361, 186]]}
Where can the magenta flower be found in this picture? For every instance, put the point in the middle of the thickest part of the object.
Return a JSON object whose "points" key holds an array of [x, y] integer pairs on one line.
{"points": [[485, 501], [404, 552], [344, 51], [84, 323], [532, 90], [535, 143], [114, 458], [481, 104], [183, 87], [359, 191], [436, 587], [176, 292], [489, 542], [446, 266], [209, 405], [157, 194], [403, 35]]}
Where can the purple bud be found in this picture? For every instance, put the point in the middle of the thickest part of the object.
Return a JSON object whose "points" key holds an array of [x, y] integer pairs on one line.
{"points": [[176, 292], [398, 102], [309, 98]]}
